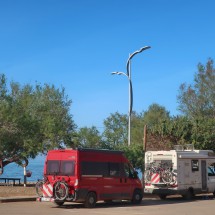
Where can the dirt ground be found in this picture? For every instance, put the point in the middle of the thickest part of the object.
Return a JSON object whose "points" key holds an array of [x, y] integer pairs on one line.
{"points": [[11, 191]]}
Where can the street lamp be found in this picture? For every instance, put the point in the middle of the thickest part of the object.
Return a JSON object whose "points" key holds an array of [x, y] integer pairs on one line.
{"points": [[130, 90]]}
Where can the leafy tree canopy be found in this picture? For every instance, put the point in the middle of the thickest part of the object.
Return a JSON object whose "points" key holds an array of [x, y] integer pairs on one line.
{"points": [[135, 154], [197, 103], [89, 138], [155, 114], [198, 99], [33, 119], [115, 131]]}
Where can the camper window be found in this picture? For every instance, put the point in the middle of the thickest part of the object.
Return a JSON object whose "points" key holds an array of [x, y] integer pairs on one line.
{"points": [[211, 169], [195, 165]]}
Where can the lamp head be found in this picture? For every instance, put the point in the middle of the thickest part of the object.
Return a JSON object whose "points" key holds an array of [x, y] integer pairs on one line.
{"points": [[144, 48]]}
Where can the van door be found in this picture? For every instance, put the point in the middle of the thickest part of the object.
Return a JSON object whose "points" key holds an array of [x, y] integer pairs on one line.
{"points": [[204, 175], [112, 182], [117, 185], [211, 176], [187, 172], [125, 181]]}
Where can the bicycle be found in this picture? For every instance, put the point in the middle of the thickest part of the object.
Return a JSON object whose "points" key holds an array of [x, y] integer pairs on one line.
{"points": [[60, 189], [165, 174], [39, 187]]}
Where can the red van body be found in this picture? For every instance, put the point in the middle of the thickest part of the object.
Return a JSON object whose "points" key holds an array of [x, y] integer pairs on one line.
{"points": [[91, 175]]}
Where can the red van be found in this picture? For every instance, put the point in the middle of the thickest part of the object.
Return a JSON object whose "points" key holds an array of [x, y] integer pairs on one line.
{"points": [[88, 176]]}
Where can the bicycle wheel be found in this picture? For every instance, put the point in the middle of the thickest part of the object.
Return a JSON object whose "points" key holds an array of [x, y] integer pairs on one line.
{"points": [[61, 191], [147, 176], [39, 188], [174, 179], [166, 177]]}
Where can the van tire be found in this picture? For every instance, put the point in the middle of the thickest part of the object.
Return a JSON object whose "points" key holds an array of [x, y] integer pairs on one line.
{"points": [[58, 203], [108, 201], [91, 200], [137, 197]]}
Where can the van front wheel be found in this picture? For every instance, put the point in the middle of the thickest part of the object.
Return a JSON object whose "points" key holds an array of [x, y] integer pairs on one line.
{"points": [[137, 197], [91, 200]]}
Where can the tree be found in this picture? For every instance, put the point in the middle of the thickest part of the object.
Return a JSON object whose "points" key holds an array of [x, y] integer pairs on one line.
{"points": [[197, 103], [135, 154], [155, 115], [32, 120], [116, 127], [157, 119], [203, 133], [89, 138], [180, 130], [137, 128], [115, 132], [198, 100]]}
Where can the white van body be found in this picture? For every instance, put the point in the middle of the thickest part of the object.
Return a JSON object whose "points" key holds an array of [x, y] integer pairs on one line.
{"points": [[193, 172]]}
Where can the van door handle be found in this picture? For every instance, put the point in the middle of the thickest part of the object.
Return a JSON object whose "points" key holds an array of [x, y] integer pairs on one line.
{"points": [[120, 180]]}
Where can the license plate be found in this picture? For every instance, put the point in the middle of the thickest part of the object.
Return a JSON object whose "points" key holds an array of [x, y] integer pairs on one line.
{"points": [[45, 199]]}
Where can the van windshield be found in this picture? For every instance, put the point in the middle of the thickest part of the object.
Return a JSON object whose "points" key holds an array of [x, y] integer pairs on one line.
{"points": [[57, 167]]}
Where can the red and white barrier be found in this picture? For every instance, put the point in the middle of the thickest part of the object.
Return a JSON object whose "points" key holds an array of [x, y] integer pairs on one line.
{"points": [[47, 190], [155, 178]]}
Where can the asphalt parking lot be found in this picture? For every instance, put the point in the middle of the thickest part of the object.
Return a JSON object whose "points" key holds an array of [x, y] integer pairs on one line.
{"points": [[199, 206]]}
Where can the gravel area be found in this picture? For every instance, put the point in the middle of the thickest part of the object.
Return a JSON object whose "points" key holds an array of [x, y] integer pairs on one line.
{"points": [[12, 191]]}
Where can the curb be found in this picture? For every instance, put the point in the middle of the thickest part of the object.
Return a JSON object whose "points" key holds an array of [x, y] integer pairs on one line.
{"points": [[17, 199]]}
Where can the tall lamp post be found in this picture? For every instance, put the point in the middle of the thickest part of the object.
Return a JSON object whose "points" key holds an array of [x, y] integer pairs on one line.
{"points": [[130, 90]]}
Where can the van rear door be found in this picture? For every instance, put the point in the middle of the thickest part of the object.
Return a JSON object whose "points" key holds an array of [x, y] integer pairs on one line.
{"points": [[61, 163]]}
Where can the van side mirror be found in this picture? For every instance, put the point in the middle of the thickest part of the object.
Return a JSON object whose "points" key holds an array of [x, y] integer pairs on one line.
{"points": [[135, 174]]}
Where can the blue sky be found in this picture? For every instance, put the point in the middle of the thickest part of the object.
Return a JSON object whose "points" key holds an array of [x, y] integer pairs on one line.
{"points": [[78, 43]]}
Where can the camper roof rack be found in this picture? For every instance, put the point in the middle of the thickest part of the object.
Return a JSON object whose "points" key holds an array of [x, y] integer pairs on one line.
{"points": [[186, 147]]}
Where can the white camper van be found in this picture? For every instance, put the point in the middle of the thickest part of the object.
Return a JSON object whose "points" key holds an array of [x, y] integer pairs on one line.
{"points": [[183, 171]]}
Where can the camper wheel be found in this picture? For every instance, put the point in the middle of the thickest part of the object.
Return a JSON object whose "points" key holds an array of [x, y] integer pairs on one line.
{"points": [[189, 194], [162, 196], [91, 200]]}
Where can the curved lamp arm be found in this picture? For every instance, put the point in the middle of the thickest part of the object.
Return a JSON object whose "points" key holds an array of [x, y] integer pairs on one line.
{"points": [[132, 55]]}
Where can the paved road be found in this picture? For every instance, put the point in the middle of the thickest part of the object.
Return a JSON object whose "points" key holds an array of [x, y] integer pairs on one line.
{"points": [[176, 206]]}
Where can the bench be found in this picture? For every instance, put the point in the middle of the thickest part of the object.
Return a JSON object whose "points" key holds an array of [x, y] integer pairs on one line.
{"points": [[6, 181]]}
